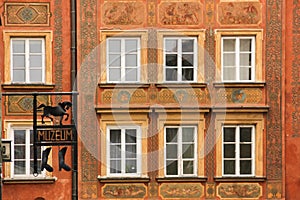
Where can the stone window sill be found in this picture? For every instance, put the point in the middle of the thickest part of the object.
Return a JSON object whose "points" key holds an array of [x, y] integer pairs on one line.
{"points": [[48, 180], [123, 179], [181, 179]]}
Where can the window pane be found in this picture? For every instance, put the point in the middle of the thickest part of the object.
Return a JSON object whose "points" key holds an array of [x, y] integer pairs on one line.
{"points": [[245, 59], [229, 73], [131, 60], [245, 73], [114, 60], [114, 74], [35, 61], [171, 45], [171, 135], [131, 74], [171, 60], [245, 134], [188, 151], [32, 164], [229, 134], [38, 152], [18, 46], [19, 136], [114, 45], [19, 167], [19, 75], [115, 136], [187, 74], [171, 74], [245, 150], [130, 136], [245, 44], [187, 45], [172, 167], [187, 60], [229, 59], [19, 61], [229, 151], [19, 152], [131, 166], [245, 167], [35, 46], [35, 75], [188, 167], [229, 167], [188, 135], [115, 151], [130, 45], [130, 151], [115, 166], [229, 45], [171, 151]]}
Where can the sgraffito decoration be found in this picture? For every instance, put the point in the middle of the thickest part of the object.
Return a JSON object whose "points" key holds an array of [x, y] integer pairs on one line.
{"points": [[239, 190], [118, 96], [210, 190], [240, 95], [183, 96], [122, 191], [123, 13], [180, 13], [27, 14], [182, 191], [274, 190], [22, 105], [239, 13]]}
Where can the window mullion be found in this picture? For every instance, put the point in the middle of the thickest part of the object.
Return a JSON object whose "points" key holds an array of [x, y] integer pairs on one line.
{"points": [[27, 153]]}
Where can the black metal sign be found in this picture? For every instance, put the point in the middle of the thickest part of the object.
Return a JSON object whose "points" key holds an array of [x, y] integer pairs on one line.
{"points": [[55, 135]]}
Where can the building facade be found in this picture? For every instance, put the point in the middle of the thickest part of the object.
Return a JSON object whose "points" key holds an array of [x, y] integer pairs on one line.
{"points": [[193, 99]]}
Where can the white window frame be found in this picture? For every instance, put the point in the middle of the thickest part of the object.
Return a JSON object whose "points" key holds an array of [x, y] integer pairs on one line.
{"points": [[123, 64], [123, 159], [237, 151], [27, 153], [237, 58], [179, 59], [27, 60], [179, 152]]}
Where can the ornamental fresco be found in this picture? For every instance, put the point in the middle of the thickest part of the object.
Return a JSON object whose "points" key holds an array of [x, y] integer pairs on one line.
{"points": [[182, 191], [239, 190], [22, 105], [240, 95], [124, 191]]}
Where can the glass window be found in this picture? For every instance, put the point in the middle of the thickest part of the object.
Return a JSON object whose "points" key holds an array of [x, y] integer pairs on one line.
{"points": [[180, 151], [180, 59]]}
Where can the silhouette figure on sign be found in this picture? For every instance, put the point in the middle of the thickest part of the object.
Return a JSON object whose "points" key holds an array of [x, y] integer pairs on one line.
{"points": [[59, 110]]}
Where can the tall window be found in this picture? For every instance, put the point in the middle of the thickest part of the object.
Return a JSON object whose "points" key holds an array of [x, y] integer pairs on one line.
{"points": [[22, 164], [180, 59], [124, 151], [123, 59], [28, 60], [238, 151], [238, 59], [180, 151]]}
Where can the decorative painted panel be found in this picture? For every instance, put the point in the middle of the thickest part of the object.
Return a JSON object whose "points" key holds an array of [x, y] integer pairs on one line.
{"points": [[240, 95], [239, 190], [118, 96], [123, 13], [274, 190], [121, 191], [183, 96], [22, 105], [182, 191], [210, 190], [88, 191], [27, 14], [239, 13], [180, 13]]}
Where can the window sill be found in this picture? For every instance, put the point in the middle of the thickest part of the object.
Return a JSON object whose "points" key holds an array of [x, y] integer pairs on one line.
{"points": [[181, 85], [240, 179], [123, 85], [181, 179], [123, 179], [239, 84], [28, 86], [48, 180]]}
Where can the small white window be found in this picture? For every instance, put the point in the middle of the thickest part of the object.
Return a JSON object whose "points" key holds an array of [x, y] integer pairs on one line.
{"points": [[124, 151], [238, 151], [238, 59], [28, 60], [123, 59], [180, 59], [180, 151], [22, 153]]}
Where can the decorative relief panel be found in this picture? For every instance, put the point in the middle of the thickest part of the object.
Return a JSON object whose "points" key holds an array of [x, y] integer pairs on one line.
{"points": [[274, 190], [121, 191], [27, 14], [123, 13], [239, 190], [180, 13], [182, 96], [238, 13], [240, 95], [182, 191], [22, 105], [210, 190], [118, 96]]}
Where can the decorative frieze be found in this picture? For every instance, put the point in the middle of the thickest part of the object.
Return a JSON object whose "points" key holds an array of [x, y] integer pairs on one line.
{"points": [[120, 191], [239, 190], [22, 105], [182, 191]]}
